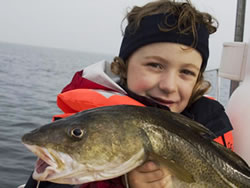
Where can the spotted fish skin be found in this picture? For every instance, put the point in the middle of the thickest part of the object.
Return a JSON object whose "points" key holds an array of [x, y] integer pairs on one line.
{"points": [[107, 142]]}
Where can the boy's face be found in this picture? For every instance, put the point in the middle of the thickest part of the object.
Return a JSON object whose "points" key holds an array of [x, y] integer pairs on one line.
{"points": [[164, 72]]}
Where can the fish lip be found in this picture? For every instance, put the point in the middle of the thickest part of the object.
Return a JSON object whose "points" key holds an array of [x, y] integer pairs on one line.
{"points": [[56, 167], [43, 154]]}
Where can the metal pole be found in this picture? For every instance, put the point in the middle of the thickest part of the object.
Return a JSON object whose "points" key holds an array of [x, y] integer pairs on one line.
{"points": [[239, 32]]}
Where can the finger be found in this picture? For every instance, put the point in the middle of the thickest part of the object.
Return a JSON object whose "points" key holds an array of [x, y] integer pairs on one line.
{"points": [[148, 166], [146, 177], [153, 176], [165, 181], [146, 181]]}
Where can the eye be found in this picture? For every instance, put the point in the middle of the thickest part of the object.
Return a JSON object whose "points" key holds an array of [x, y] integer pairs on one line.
{"points": [[76, 132], [188, 72], [155, 65]]}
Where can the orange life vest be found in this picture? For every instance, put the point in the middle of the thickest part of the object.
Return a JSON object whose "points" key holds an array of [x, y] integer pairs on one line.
{"points": [[77, 100]]}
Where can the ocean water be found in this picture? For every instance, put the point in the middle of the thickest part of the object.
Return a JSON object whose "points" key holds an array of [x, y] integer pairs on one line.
{"points": [[30, 79]]}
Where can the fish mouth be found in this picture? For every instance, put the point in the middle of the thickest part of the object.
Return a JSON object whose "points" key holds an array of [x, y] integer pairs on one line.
{"points": [[55, 166], [48, 163], [59, 167]]}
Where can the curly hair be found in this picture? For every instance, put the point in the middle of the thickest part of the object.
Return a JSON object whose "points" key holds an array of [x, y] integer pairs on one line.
{"points": [[188, 16], [188, 19]]}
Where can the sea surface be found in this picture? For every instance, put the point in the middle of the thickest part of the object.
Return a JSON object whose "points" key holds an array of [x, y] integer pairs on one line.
{"points": [[30, 79]]}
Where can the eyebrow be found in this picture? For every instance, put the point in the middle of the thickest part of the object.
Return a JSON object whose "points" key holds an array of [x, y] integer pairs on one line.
{"points": [[157, 58], [192, 66]]}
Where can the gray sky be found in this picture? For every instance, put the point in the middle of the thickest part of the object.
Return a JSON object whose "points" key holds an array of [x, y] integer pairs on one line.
{"points": [[94, 25]]}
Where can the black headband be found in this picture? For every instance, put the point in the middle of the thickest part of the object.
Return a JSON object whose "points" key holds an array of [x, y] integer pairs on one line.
{"points": [[149, 32]]}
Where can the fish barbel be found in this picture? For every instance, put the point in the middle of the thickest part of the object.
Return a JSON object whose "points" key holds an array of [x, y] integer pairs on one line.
{"points": [[107, 142]]}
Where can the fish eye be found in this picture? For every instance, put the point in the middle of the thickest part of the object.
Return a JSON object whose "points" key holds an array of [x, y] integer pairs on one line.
{"points": [[76, 132]]}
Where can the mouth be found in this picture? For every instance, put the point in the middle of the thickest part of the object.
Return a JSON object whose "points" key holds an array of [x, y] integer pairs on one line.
{"points": [[41, 165], [162, 101], [47, 164], [57, 167]]}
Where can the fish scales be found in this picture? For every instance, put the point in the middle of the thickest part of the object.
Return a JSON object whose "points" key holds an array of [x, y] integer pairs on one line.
{"points": [[190, 159], [220, 164]]}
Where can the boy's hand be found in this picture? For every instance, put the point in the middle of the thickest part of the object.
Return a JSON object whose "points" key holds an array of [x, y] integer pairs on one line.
{"points": [[149, 175]]}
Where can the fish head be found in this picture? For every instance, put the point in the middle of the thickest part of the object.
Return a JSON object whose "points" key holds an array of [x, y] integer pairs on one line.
{"points": [[88, 146]]}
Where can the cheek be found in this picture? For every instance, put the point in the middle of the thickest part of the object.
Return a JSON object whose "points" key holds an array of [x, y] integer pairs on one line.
{"points": [[138, 81], [185, 94], [186, 91], [137, 84]]}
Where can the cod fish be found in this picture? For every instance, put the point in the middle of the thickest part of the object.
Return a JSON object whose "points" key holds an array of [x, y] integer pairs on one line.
{"points": [[107, 142]]}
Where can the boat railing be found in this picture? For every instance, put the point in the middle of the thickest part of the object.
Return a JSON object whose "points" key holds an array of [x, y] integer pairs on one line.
{"points": [[220, 87]]}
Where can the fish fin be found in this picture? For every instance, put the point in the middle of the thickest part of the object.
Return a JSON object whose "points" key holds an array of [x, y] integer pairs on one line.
{"points": [[195, 126], [233, 157], [175, 169]]}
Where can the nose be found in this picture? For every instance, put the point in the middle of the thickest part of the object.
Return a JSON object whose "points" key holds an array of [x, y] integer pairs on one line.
{"points": [[168, 82]]}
